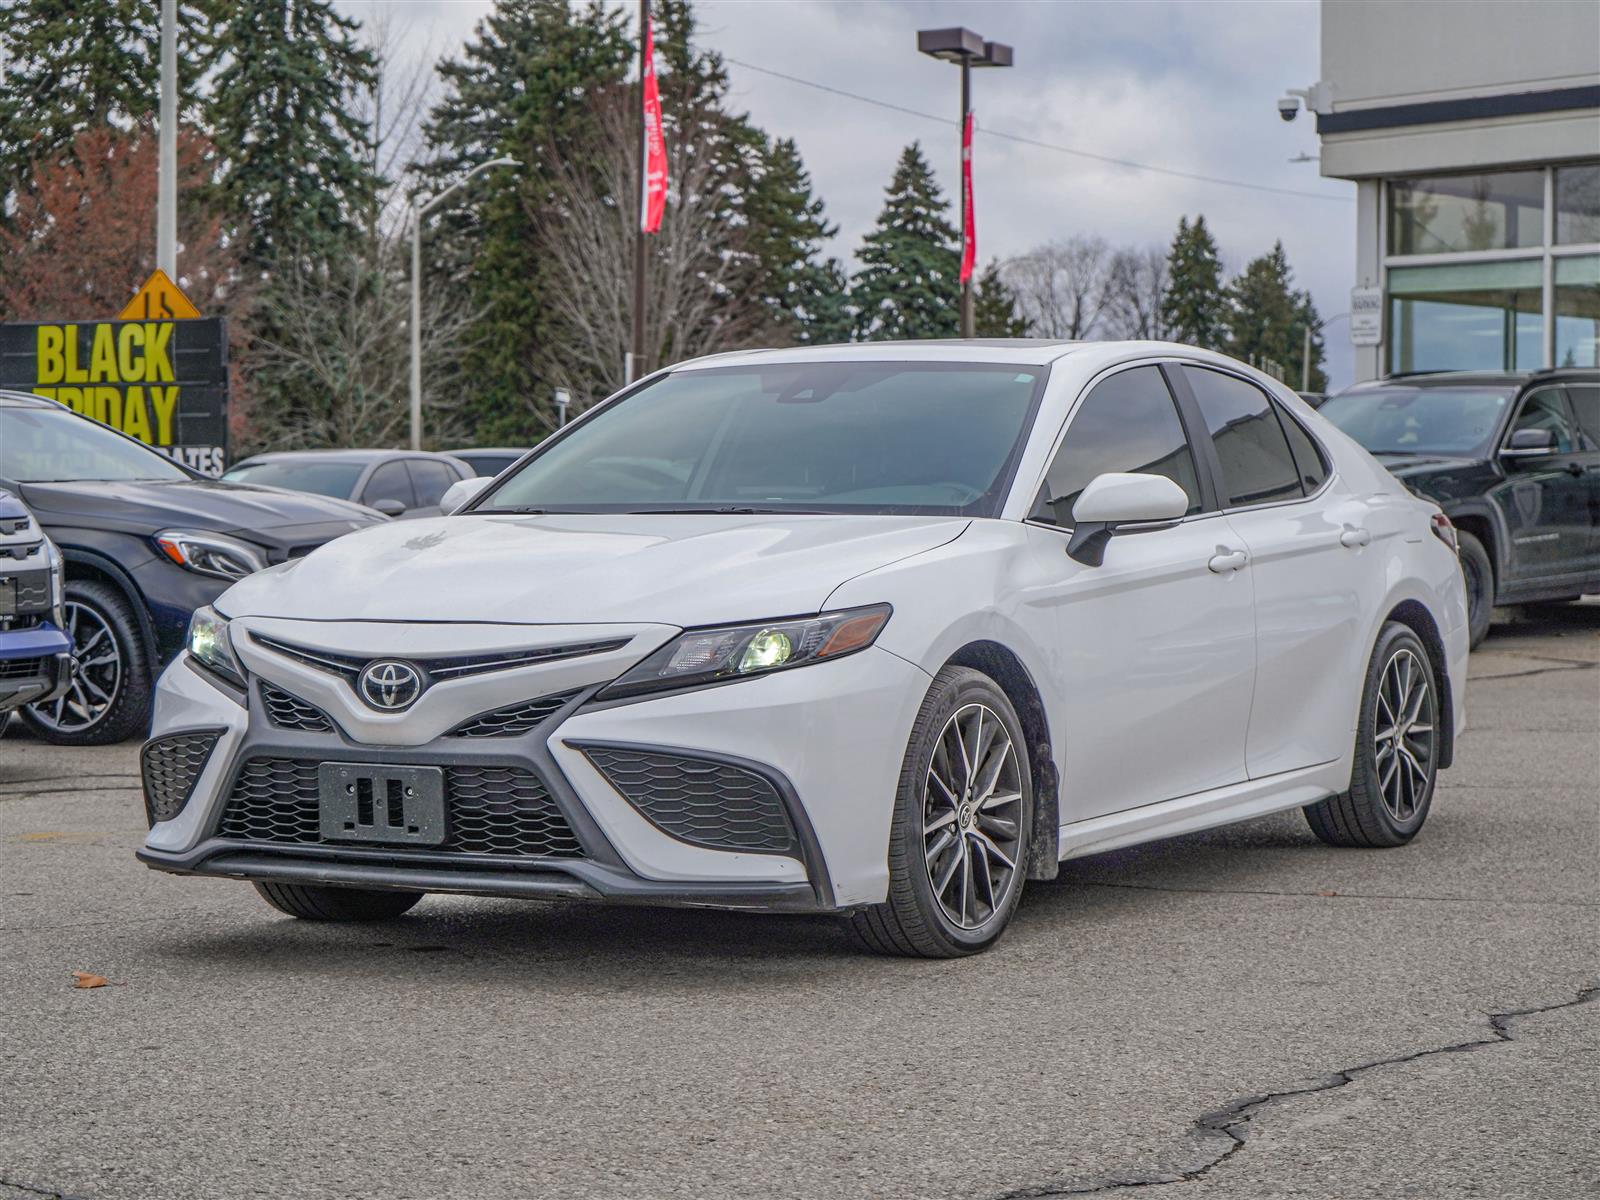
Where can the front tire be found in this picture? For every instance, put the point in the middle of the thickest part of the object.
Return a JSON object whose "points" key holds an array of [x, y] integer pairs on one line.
{"points": [[108, 698], [958, 842], [312, 903], [1397, 750], [1479, 573]]}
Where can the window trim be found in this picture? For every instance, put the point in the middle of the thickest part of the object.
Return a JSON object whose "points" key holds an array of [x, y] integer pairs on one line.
{"points": [[1527, 394]]}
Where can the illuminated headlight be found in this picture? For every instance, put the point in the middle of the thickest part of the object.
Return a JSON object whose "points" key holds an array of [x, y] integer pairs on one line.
{"points": [[700, 656], [213, 554], [211, 646]]}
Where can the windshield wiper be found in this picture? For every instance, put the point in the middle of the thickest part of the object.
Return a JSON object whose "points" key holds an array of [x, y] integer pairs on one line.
{"points": [[721, 510], [520, 510]]}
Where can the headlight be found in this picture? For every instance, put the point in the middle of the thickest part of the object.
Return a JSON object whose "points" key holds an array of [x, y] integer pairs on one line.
{"points": [[213, 554], [700, 656], [211, 646], [58, 585]]}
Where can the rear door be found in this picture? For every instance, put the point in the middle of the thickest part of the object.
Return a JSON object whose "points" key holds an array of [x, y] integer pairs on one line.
{"points": [[1545, 499]]}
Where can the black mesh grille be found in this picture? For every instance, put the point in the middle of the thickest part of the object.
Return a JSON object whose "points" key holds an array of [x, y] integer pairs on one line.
{"points": [[287, 711], [696, 800], [488, 810], [171, 766], [513, 719], [22, 668]]}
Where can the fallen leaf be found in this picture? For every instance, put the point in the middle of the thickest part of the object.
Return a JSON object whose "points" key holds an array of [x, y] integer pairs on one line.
{"points": [[82, 979], [1327, 893]]}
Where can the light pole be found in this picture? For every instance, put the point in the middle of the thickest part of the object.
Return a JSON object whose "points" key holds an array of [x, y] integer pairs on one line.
{"points": [[167, 145], [968, 50], [420, 209]]}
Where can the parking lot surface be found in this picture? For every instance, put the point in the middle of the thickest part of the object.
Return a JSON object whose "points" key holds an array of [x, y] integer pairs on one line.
{"points": [[1244, 1013]]}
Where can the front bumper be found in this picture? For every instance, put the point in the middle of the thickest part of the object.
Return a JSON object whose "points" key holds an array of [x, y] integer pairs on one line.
{"points": [[35, 665], [827, 738]]}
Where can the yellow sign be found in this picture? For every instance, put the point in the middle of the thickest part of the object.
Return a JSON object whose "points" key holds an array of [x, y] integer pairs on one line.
{"points": [[159, 300]]}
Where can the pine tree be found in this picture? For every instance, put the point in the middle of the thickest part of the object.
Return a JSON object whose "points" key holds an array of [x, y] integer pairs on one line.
{"points": [[786, 234], [908, 285], [994, 307], [1267, 319], [296, 165], [1194, 307]]}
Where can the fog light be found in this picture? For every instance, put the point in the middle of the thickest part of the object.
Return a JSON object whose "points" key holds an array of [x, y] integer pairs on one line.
{"points": [[769, 648]]}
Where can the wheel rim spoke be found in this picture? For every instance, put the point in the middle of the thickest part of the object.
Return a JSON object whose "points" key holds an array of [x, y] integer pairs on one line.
{"points": [[1403, 734], [972, 817], [97, 676]]}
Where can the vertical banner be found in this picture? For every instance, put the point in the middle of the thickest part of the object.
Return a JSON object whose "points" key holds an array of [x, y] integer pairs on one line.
{"points": [[654, 201], [969, 221]]}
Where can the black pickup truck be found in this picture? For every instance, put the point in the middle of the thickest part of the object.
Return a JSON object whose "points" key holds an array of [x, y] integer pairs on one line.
{"points": [[1513, 458]]}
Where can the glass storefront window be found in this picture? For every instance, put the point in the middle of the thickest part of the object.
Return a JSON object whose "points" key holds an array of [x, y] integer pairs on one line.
{"points": [[1577, 204], [1452, 213], [1578, 311], [1472, 316]]}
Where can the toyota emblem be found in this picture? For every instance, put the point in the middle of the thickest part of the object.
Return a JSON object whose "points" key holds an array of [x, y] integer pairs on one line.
{"points": [[390, 686]]}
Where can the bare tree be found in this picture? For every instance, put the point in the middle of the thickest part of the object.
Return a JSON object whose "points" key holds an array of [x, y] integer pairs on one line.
{"points": [[1135, 283], [1061, 287]]}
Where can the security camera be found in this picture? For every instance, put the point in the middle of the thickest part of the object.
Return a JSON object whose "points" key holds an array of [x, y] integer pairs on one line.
{"points": [[1289, 107]]}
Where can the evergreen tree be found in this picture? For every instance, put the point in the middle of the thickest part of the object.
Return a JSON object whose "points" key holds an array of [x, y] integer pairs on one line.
{"points": [[1267, 319], [908, 285], [786, 234], [1194, 307], [994, 307]]}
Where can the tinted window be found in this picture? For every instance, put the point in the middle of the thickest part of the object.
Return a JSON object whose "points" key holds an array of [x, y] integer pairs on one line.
{"points": [[1420, 420], [1257, 467], [870, 437], [390, 482], [1128, 423], [1547, 410], [1586, 403], [324, 478], [1308, 458], [431, 479], [38, 445]]}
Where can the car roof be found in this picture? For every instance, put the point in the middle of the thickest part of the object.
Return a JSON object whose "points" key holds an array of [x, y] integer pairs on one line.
{"points": [[1480, 378], [335, 456], [15, 399], [516, 450], [1025, 351]]}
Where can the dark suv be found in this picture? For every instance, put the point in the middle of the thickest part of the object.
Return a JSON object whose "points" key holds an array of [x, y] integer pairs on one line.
{"points": [[1514, 461], [144, 542]]}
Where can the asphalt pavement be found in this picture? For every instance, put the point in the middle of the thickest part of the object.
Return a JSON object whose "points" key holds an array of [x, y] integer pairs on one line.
{"points": [[1240, 1013]]}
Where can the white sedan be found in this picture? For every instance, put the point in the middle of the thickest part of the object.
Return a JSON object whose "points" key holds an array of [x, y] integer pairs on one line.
{"points": [[881, 630]]}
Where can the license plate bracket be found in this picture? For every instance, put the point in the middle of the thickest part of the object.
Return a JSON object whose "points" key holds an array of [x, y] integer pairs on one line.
{"points": [[368, 802]]}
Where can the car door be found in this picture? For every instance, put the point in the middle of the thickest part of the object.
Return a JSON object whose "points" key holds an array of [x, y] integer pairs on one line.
{"points": [[1585, 398], [1314, 573], [1154, 649], [1544, 498], [431, 479], [390, 481]]}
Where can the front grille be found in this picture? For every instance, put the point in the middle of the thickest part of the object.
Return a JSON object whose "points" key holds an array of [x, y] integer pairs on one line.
{"points": [[513, 719], [171, 767], [287, 711], [488, 810], [700, 801], [33, 592], [350, 666], [12, 669]]}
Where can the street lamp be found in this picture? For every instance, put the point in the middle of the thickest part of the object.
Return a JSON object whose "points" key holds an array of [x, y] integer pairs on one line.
{"points": [[420, 209], [969, 50]]}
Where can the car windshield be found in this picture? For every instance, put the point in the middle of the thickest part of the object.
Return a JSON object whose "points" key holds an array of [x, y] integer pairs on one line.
{"points": [[50, 445], [1450, 421], [873, 437], [336, 479]]}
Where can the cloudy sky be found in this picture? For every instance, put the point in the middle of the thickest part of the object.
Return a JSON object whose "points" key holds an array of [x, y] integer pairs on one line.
{"points": [[1186, 85]]}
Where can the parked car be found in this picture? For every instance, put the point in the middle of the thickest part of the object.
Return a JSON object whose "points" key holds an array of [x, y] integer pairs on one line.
{"points": [[879, 630], [1314, 399], [1514, 461], [35, 655], [488, 460], [397, 483], [145, 542]]}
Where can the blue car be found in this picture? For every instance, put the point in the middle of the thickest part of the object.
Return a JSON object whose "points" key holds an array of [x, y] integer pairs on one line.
{"points": [[35, 654]]}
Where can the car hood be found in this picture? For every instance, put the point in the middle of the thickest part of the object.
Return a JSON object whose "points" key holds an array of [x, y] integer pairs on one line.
{"points": [[685, 569], [1416, 466], [271, 516]]}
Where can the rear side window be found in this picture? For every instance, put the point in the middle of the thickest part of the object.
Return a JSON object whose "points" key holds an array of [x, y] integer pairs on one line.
{"points": [[432, 480], [1585, 399], [390, 482], [1308, 459], [1129, 422], [1545, 410], [1257, 466]]}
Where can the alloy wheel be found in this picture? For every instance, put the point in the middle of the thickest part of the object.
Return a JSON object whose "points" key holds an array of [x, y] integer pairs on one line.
{"points": [[1403, 734], [96, 673], [972, 817]]}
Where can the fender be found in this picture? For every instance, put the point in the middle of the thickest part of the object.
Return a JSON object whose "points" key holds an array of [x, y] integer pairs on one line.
{"points": [[77, 554]]}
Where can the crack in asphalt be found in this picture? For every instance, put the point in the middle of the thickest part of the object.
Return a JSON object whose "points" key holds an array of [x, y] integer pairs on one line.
{"points": [[35, 1191], [1231, 1122], [1205, 891], [1562, 670]]}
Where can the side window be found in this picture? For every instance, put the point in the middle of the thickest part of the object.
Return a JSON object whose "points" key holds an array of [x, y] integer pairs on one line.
{"points": [[1585, 399], [1308, 459], [1129, 422], [1257, 467], [431, 479], [390, 482], [1546, 410]]}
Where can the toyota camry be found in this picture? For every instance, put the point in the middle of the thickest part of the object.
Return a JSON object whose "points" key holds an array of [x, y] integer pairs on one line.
{"points": [[885, 631]]}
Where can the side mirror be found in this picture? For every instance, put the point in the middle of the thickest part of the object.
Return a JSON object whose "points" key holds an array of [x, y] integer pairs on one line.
{"points": [[390, 507], [459, 493], [1115, 499], [1530, 443]]}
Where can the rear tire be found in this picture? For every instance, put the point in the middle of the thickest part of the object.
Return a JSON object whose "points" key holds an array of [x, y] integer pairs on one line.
{"points": [[958, 842], [1479, 572], [312, 903], [1397, 750]]}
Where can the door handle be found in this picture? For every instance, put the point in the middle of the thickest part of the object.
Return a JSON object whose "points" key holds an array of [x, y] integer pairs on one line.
{"points": [[1233, 560], [1355, 537]]}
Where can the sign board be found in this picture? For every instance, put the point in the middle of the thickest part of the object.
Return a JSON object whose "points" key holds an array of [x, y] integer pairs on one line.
{"points": [[159, 300], [162, 382], [1366, 316]]}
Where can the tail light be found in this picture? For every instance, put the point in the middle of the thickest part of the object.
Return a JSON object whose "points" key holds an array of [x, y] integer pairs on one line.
{"points": [[1445, 531]]}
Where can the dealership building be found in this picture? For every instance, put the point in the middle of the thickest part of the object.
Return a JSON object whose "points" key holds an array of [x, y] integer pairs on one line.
{"points": [[1472, 133]]}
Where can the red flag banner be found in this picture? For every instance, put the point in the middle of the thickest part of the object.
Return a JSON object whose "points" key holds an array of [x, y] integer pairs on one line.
{"points": [[654, 200], [969, 221]]}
